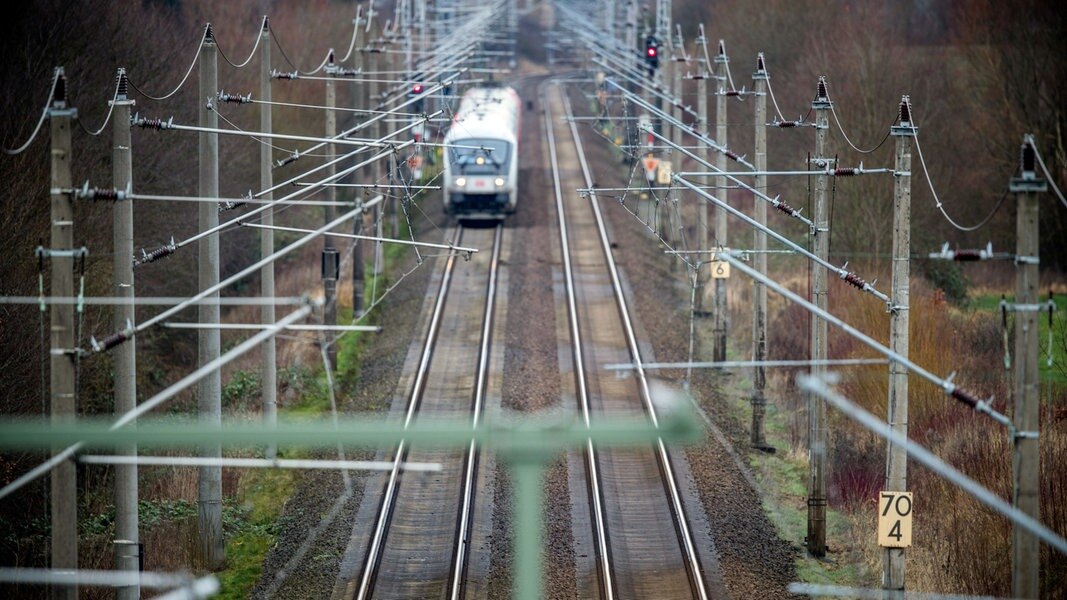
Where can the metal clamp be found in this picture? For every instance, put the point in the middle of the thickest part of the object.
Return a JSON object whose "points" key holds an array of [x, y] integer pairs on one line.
{"points": [[42, 252], [1041, 306]]}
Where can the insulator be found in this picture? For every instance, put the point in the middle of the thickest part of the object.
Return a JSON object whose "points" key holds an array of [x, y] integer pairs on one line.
{"points": [[60, 95], [967, 255], [158, 124], [123, 84], [760, 67], [822, 88], [110, 341], [782, 206], [786, 124], [905, 110], [1029, 158], [732, 155], [230, 205], [845, 172], [275, 74], [722, 48], [209, 35], [732, 93], [965, 397], [235, 98], [288, 159], [854, 280], [158, 253], [266, 23], [330, 57], [87, 193]]}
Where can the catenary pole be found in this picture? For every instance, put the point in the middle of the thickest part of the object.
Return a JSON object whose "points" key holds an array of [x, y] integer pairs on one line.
{"points": [[209, 389], [721, 317], [1026, 552], [330, 256], [64, 490], [896, 477], [364, 99], [759, 243], [819, 332], [127, 549], [702, 275], [671, 232], [269, 349]]}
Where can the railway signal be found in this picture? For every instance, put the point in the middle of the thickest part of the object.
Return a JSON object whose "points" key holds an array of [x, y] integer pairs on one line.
{"points": [[651, 55], [417, 89]]}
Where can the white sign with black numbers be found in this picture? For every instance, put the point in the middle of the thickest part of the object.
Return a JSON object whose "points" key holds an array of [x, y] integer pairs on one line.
{"points": [[663, 174], [894, 519], [720, 269]]}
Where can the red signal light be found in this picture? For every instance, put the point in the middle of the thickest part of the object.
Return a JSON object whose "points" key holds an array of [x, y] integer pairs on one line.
{"points": [[417, 88], [651, 51]]}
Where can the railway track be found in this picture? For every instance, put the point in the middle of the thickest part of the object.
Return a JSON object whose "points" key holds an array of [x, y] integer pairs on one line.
{"points": [[642, 539], [419, 546]]}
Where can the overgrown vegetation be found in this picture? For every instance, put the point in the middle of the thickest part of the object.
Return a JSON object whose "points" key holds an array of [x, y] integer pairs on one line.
{"points": [[944, 339]]}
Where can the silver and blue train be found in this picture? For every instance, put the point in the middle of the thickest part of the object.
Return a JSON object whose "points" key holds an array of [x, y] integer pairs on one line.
{"points": [[482, 155]]}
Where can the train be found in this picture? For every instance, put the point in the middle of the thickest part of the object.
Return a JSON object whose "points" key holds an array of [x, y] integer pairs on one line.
{"points": [[481, 166]]}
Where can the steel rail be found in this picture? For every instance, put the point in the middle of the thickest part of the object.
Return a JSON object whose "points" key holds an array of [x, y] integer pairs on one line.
{"points": [[600, 525], [688, 546], [462, 531], [370, 567]]}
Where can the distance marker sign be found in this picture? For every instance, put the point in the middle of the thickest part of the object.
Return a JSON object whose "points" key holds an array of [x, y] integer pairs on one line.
{"points": [[894, 519]]}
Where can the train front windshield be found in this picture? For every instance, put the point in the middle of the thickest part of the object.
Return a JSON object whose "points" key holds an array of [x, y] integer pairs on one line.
{"points": [[479, 156]]}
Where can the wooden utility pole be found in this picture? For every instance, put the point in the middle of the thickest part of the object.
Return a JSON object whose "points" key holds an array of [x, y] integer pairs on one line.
{"points": [[127, 549], [64, 489], [759, 245], [1026, 552], [721, 317], [269, 350], [896, 471], [816, 405], [209, 389]]}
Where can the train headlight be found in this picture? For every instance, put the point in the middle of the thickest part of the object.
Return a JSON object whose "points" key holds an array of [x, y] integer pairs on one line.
{"points": [[461, 181], [499, 181], [479, 161]]}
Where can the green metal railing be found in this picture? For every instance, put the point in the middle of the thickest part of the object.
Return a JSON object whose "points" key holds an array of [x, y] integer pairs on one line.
{"points": [[526, 446]]}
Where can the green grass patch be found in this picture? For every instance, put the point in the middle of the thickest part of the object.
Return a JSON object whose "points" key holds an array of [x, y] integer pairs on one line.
{"points": [[250, 520], [251, 528], [1057, 372], [783, 476]]}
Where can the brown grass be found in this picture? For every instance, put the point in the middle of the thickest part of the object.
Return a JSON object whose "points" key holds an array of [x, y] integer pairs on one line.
{"points": [[959, 546]]}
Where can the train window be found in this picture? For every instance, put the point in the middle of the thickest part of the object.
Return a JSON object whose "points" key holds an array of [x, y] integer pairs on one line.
{"points": [[475, 156]]}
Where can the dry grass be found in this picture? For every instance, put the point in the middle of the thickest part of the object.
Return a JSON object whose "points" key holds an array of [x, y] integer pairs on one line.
{"points": [[960, 546]]}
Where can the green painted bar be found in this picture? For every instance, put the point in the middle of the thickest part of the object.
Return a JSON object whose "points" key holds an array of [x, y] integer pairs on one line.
{"points": [[526, 447]]}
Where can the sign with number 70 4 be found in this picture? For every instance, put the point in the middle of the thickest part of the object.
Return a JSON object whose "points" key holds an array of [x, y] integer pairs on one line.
{"points": [[894, 519]]}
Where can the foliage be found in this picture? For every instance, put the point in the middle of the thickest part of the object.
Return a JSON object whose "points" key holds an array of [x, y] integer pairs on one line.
{"points": [[242, 389], [948, 277]]}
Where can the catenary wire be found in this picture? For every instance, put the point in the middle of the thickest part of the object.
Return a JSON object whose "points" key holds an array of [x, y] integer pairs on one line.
{"points": [[255, 47], [937, 200], [44, 114], [199, 47], [1048, 175]]}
